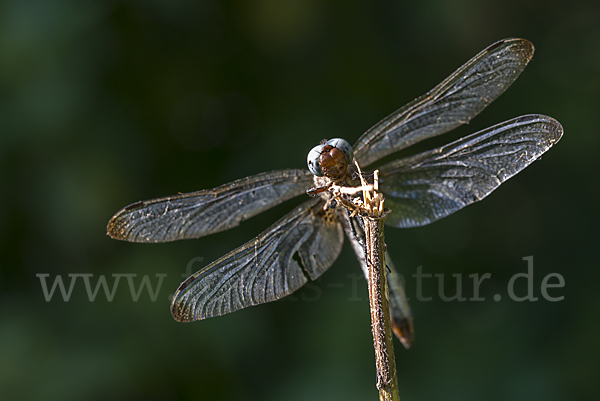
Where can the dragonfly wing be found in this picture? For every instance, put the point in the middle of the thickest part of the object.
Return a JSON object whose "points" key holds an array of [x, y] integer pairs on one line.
{"points": [[200, 213], [402, 318], [431, 185], [401, 315], [301, 245], [455, 101]]}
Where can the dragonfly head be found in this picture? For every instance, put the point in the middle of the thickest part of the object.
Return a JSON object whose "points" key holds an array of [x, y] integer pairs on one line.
{"points": [[330, 159]]}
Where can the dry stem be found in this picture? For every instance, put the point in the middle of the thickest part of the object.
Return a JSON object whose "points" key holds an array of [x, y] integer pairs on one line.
{"points": [[372, 213]]}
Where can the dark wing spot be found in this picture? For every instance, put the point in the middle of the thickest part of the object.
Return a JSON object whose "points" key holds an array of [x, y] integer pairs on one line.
{"points": [[495, 45], [135, 205], [186, 283]]}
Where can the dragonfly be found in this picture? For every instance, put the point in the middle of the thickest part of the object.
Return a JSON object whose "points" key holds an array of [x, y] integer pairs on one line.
{"points": [[304, 243]]}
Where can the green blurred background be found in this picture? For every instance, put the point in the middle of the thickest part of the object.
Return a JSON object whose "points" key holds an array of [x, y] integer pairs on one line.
{"points": [[109, 102]]}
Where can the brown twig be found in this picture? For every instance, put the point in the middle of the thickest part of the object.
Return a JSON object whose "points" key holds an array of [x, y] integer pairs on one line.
{"points": [[372, 213], [387, 381]]}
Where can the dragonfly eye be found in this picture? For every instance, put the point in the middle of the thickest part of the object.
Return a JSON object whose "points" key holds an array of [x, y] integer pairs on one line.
{"points": [[344, 146], [331, 158], [313, 160]]}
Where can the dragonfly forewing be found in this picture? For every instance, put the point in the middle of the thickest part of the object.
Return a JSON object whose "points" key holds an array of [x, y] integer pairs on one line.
{"points": [[301, 245], [196, 214], [431, 185], [455, 101]]}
